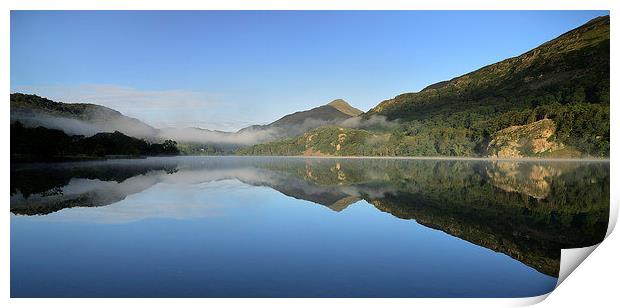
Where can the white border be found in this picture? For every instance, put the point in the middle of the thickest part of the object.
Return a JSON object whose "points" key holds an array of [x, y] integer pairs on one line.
{"points": [[594, 282]]}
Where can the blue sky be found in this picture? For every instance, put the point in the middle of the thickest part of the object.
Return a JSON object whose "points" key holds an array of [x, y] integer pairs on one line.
{"points": [[229, 69]]}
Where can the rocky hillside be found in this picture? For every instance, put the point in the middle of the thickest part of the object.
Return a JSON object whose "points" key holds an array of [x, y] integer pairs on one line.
{"points": [[534, 139], [551, 101], [323, 141], [495, 110]]}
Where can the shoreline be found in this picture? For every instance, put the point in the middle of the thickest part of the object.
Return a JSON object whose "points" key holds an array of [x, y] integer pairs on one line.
{"points": [[592, 159], [439, 158]]}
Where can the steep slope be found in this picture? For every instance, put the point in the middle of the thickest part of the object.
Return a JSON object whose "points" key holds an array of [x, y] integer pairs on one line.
{"points": [[345, 108], [75, 119], [90, 119], [534, 139], [572, 67], [565, 81], [302, 121], [289, 125]]}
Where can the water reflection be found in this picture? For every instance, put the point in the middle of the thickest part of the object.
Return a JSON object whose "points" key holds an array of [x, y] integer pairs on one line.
{"points": [[526, 210]]}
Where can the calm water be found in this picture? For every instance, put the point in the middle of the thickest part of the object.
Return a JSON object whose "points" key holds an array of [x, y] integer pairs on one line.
{"points": [[296, 227]]}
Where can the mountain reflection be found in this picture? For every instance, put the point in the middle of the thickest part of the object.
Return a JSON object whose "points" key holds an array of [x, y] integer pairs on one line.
{"points": [[526, 210]]}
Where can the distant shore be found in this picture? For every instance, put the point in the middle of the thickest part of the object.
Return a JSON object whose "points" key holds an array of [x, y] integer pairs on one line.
{"points": [[99, 158], [593, 159]]}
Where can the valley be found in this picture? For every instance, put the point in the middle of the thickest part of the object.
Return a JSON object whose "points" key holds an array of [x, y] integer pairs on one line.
{"points": [[552, 101]]}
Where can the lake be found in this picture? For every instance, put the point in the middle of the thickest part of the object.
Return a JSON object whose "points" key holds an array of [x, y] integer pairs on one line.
{"points": [[300, 227]]}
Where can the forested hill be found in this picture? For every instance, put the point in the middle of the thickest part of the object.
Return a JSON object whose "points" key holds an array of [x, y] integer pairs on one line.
{"points": [[551, 101], [75, 118], [571, 68]]}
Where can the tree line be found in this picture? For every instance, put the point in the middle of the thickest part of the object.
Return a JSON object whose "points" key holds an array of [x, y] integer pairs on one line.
{"points": [[40, 143]]}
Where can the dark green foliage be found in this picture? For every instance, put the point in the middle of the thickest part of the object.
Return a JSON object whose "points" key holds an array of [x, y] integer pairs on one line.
{"points": [[169, 147], [114, 143], [528, 210], [573, 68], [566, 80], [202, 149], [50, 144], [29, 179], [75, 111], [29, 108], [582, 125], [505, 206], [288, 146]]}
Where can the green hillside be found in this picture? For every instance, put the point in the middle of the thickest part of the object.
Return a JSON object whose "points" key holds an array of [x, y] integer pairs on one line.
{"points": [[75, 118], [565, 80]]}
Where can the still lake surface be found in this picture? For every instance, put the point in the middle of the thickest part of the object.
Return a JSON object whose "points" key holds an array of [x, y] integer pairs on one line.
{"points": [[300, 227]]}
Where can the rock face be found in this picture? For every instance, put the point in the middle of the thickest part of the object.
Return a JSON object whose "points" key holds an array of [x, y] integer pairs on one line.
{"points": [[534, 139], [530, 179]]}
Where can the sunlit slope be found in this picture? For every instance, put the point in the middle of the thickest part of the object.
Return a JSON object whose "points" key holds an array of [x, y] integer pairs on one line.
{"points": [[494, 111], [572, 67]]}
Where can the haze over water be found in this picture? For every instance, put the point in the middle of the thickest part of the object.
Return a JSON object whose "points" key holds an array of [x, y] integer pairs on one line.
{"points": [[300, 227]]}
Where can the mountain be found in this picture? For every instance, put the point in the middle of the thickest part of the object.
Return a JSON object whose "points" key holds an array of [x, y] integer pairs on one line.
{"points": [[493, 111], [75, 119], [90, 119], [577, 62], [564, 81], [203, 141], [302, 121], [345, 108]]}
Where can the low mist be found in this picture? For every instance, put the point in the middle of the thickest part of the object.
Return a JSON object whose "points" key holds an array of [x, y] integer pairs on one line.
{"points": [[197, 135], [135, 128], [375, 121], [127, 126]]}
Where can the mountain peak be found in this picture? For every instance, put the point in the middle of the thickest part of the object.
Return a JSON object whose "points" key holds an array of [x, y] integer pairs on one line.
{"points": [[345, 108]]}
